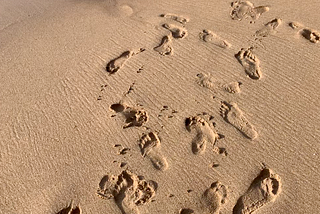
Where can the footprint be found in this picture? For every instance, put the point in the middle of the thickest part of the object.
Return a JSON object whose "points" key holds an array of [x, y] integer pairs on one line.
{"points": [[263, 190], [128, 191], [311, 35], [177, 32], [205, 133], [176, 18], [70, 209], [233, 115], [207, 81], [210, 37], [186, 211], [213, 198], [269, 28], [232, 87], [245, 9], [250, 63], [165, 47], [150, 147], [295, 25], [133, 116], [114, 65]]}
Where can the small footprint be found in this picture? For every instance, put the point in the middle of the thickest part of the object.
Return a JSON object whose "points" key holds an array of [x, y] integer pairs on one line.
{"points": [[213, 198], [207, 81], [233, 115], [176, 18], [128, 191], [210, 37], [177, 32], [269, 28], [70, 209], [133, 116], [311, 35], [165, 46], [232, 87], [150, 147], [114, 65], [250, 63], [263, 190], [295, 25], [245, 9], [205, 133]]}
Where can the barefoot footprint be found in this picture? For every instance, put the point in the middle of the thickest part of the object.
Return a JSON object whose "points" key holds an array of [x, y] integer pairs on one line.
{"points": [[263, 190], [213, 198], [205, 133], [176, 18], [134, 116], [311, 35], [269, 28], [250, 63], [150, 147], [165, 47], [128, 191], [244, 9], [177, 32], [114, 65], [210, 37], [233, 115], [70, 209]]}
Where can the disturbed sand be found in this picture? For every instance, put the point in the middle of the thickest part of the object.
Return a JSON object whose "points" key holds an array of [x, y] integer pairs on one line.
{"points": [[174, 107]]}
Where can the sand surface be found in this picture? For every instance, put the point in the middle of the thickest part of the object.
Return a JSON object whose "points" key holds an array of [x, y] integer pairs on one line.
{"points": [[216, 106]]}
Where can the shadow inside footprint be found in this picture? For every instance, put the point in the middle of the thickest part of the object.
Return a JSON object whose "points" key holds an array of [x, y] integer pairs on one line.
{"points": [[310, 35], [70, 210]]}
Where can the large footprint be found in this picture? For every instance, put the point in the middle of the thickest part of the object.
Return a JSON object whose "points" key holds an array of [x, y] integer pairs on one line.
{"points": [[150, 147], [213, 198], [250, 63], [205, 134], [233, 115], [263, 190], [128, 191]]}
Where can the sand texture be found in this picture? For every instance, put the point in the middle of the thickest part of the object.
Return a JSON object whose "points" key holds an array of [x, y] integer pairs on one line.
{"points": [[169, 107]]}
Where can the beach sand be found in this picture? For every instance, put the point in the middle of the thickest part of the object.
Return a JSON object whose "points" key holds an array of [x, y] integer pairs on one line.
{"points": [[159, 107]]}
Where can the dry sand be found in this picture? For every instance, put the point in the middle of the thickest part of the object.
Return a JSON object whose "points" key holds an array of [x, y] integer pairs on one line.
{"points": [[159, 107]]}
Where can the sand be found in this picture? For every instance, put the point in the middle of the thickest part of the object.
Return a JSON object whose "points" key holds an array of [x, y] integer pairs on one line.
{"points": [[117, 106]]}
